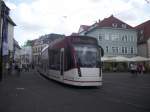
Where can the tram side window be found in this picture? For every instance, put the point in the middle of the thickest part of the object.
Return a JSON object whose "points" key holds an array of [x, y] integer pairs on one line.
{"points": [[68, 59], [54, 59]]}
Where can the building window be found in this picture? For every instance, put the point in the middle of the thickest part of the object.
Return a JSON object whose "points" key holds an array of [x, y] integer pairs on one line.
{"points": [[124, 26], [132, 38], [141, 32], [131, 50], [115, 49], [123, 38], [123, 50], [114, 25], [115, 37], [101, 36], [126, 39], [107, 49], [106, 37]]}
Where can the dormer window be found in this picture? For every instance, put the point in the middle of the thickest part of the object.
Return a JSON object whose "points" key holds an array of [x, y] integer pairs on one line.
{"points": [[141, 31], [114, 25], [124, 26]]}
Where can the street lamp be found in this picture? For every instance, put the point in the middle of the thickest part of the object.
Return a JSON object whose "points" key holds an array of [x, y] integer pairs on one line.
{"points": [[0, 41]]}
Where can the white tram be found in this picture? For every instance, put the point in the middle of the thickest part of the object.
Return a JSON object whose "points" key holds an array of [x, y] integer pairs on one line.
{"points": [[74, 60]]}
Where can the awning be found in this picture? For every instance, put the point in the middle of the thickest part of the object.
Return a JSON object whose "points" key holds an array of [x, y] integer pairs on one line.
{"points": [[139, 58], [115, 59], [124, 59]]}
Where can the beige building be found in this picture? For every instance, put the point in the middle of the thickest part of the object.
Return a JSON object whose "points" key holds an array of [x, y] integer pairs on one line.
{"points": [[17, 50], [40, 43], [37, 47], [26, 55]]}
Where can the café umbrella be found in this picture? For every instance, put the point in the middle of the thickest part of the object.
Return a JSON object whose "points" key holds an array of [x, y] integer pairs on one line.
{"points": [[139, 59]]}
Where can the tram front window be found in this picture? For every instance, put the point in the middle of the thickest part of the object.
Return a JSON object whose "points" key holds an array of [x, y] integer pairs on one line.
{"points": [[87, 55]]}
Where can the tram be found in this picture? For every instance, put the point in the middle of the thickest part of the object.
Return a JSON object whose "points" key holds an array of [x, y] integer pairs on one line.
{"points": [[73, 60]]}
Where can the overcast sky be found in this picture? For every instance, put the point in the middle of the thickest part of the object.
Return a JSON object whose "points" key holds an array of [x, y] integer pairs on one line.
{"points": [[38, 17]]}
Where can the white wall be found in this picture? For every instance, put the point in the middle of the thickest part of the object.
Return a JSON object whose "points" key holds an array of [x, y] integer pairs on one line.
{"points": [[27, 51], [17, 54], [142, 50], [10, 36]]}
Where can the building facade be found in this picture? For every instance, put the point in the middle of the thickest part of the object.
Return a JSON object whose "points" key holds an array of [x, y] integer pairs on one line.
{"points": [[26, 55], [6, 36], [17, 50], [148, 47], [37, 47], [115, 37], [144, 39], [11, 25], [40, 43]]}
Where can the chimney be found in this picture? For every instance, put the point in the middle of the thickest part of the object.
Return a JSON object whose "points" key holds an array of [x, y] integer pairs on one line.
{"points": [[99, 21], [112, 15]]}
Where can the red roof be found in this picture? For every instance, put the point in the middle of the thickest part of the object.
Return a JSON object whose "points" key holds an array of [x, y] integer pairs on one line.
{"points": [[145, 28], [85, 27], [111, 22], [108, 22]]}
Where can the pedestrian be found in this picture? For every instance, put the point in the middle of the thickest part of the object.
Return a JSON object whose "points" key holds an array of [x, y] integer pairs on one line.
{"points": [[17, 68], [135, 68], [20, 67], [139, 68], [8, 68], [132, 68], [142, 68], [26, 68]]}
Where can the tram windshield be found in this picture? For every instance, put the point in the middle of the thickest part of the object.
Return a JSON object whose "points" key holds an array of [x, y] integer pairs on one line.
{"points": [[87, 55]]}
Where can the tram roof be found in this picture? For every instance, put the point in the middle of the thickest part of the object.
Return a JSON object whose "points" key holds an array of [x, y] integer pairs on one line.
{"points": [[74, 39]]}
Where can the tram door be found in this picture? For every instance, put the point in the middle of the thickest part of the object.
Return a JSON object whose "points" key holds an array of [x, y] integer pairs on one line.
{"points": [[62, 62]]}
